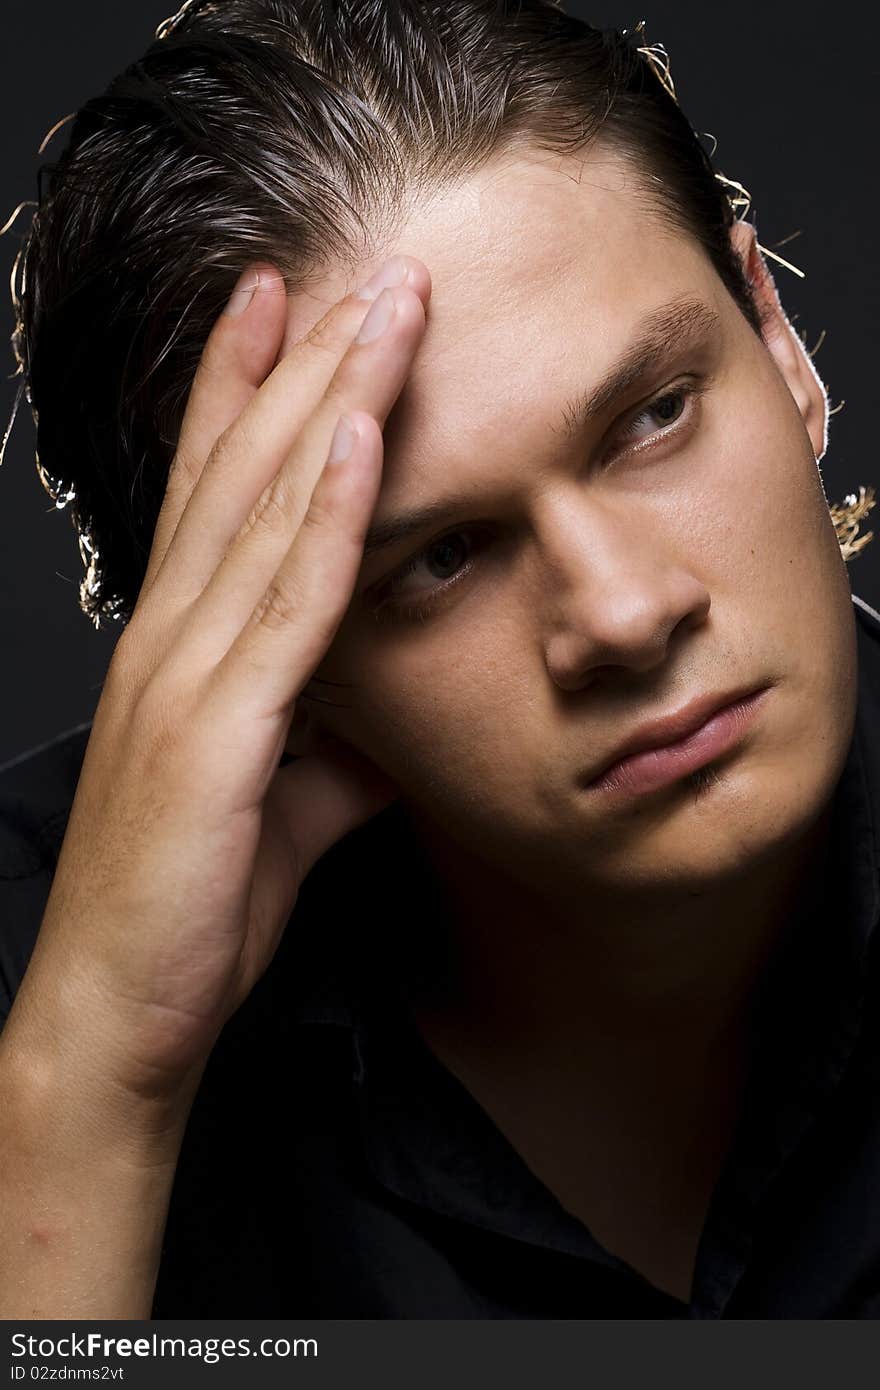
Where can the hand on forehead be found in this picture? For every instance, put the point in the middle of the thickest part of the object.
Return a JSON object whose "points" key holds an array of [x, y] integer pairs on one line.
{"points": [[308, 304]]}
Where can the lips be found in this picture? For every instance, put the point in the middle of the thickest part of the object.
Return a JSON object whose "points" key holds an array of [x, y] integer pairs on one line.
{"points": [[673, 727]]}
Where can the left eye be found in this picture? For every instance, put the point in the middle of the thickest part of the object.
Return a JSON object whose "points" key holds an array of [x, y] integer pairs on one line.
{"points": [[668, 408]]}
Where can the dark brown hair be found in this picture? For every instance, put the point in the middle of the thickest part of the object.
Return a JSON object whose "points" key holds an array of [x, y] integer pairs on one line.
{"points": [[295, 132]]}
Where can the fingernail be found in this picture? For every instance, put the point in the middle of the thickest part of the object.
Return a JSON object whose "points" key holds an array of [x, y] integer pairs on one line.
{"points": [[393, 272], [378, 319], [243, 293], [343, 441]]}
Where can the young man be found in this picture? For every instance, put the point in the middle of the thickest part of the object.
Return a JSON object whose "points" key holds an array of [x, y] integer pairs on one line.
{"points": [[575, 1013]]}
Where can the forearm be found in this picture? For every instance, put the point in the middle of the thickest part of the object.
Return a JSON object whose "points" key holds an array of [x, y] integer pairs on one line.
{"points": [[85, 1180]]}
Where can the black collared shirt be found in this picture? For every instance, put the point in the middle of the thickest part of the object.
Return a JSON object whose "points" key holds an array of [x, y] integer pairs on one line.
{"points": [[333, 1167]]}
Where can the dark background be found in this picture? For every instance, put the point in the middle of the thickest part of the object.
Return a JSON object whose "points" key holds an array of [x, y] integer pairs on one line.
{"points": [[793, 108]]}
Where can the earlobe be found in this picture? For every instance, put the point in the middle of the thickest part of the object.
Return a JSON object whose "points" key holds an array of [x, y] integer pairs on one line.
{"points": [[781, 340]]}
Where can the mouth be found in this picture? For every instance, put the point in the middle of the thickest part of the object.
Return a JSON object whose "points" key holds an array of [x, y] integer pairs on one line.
{"points": [[662, 763]]}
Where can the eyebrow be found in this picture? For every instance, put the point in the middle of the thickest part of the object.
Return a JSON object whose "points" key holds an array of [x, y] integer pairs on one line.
{"points": [[668, 328]]}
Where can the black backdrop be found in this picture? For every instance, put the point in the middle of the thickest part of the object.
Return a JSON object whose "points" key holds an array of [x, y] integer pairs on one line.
{"points": [[792, 104]]}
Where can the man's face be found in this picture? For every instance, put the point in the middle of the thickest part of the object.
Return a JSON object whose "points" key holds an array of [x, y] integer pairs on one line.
{"points": [[589, 580]]}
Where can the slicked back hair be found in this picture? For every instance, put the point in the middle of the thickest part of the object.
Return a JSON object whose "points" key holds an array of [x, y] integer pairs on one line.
{"points": [[297, 132]]}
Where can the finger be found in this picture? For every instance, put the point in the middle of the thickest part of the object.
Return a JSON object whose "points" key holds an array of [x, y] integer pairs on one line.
{"points": [[293, 624], [237, 356], [250, 453], [369, 379]]}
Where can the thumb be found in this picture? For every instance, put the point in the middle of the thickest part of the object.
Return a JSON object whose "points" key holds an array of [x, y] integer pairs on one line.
{"points": [[325, 794]]}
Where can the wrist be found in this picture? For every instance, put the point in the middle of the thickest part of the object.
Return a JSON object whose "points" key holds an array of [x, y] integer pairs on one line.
{"points": [[56, 1071]]}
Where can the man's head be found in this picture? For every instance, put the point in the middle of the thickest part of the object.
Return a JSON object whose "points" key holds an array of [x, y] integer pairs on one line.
{"points": [[593, 571], [607, 567]]}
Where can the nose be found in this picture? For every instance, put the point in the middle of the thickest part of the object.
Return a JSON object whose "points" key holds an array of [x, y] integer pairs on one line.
{"points": [[616, 595]]}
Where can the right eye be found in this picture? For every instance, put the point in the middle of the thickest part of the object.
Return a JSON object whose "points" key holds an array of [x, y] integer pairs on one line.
{"points": [[451, 554]]}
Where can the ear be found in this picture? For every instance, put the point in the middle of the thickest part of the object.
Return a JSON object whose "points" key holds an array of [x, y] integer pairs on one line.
{"points": [[782, 341]]}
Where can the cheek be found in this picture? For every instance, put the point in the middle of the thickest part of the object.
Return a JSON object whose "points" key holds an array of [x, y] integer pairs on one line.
{"points": [[769, 554], [447, 708], [751, 508], [791, 555], [440, 713]]}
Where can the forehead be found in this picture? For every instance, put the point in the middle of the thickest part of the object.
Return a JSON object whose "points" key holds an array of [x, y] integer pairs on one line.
{"points": [[542, 266]]}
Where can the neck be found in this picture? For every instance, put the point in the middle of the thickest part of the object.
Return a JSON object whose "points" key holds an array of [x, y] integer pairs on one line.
{"points": [[527, 970]]}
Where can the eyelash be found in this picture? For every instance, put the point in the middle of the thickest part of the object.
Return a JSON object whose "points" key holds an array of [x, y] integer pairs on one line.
{"points": [[390, 608]]}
